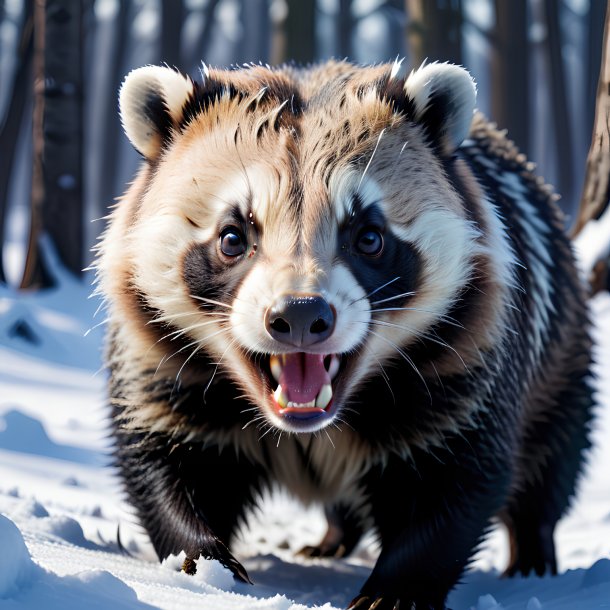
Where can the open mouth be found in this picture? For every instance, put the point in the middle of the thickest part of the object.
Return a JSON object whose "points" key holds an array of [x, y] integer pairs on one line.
{"points": [[302, 385]]}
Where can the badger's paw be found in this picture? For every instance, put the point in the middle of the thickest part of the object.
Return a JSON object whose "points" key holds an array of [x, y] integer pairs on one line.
{"points": [[222, 554], [391, 602], [324, 550]]}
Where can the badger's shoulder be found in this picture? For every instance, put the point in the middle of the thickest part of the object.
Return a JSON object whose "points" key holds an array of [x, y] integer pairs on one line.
{"points": [[501, 167]]}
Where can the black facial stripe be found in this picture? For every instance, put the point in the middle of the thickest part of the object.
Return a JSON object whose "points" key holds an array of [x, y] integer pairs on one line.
{"points": [[164, 330], [208, 277], [397, 260]]}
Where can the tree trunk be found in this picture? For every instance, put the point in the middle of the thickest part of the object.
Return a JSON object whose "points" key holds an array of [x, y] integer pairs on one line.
{"points": [[596, 189], [345, 28], [256, 31], [561, 116], [57, 170], [434, 31], [595, 41], [10, 130], [113, 131], [172, 17], [509, 70], [296, 39]]}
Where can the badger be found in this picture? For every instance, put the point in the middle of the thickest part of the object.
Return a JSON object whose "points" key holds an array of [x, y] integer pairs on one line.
{"points": [[344, 282]]}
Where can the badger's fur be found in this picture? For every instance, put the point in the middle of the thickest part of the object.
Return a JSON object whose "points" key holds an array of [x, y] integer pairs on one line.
{"points": [[355, 237]]}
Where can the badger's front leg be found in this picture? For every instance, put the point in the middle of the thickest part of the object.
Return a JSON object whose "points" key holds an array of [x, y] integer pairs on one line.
{"points": [[430, 516], [187, 497]]}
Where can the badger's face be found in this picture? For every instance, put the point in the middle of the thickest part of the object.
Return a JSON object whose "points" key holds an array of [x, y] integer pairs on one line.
{"points": [[302, 234]]}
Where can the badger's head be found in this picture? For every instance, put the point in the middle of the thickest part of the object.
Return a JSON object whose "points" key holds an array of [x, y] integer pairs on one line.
{"points": [[304, 230]]}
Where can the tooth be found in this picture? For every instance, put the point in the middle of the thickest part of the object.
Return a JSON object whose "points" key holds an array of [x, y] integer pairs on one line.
{"points": [[324, 396], [280, 397], [275, 366], [301, 405], [333, 368]]}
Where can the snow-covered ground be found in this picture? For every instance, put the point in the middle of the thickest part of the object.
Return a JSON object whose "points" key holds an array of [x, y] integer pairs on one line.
{"points": [[68, 541]]}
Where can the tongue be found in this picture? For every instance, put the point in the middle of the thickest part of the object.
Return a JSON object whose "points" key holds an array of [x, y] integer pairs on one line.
{"points": [[302, 376]]}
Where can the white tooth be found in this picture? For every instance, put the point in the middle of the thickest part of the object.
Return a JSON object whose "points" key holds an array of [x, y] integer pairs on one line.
{"points": [[301, 405], [333, 369], [280, 397], [275, 366], [324, 396]]}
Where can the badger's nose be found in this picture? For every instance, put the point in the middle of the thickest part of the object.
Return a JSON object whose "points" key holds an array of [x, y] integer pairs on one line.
{"points": [[300, 320]]}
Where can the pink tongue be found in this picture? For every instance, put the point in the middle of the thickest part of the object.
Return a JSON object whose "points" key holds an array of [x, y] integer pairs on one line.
{"points": [[302, 376]]}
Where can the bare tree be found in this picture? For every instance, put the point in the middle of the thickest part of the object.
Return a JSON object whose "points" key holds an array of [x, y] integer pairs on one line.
{"points": [[345, 26], [108, 116], [295, 36], [561, 115], [434, 31], [509, 71], [57, 170], [10, 129], [172, 17], [255, 41], [596, 189]]}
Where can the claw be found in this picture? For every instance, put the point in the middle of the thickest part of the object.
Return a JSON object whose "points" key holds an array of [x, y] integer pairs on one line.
{"points": [[228, 561]]}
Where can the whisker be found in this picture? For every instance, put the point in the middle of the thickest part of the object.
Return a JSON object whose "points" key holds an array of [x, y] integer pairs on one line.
{"points": [[406, 358], [420, 334], [370, 160], [443, 318], [185, 347], [397, 296], [211, 301], [383, 372], [182, 331], [170, 317], [374, 291], [207, 387]]}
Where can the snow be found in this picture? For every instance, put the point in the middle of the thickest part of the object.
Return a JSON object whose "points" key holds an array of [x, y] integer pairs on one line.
{"points": [[68, 540]]}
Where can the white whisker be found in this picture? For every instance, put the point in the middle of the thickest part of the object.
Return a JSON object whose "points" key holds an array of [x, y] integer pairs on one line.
{"points": [[370, 160], [406, 358], [374, 291], [210, 301], [397, 296]]}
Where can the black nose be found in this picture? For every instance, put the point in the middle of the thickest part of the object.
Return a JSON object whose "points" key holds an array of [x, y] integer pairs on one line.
{"points": [[300, 320]]}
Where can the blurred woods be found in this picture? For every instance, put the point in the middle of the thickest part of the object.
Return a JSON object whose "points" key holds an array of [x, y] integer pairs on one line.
{"points": [[63, 159]]}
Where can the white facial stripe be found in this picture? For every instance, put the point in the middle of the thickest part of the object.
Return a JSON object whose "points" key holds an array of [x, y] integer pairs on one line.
{"points": [[446, 243], [345, 183], [353, 310]]}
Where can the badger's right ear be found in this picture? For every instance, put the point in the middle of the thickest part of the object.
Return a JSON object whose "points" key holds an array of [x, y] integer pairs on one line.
{"points": [[151, 102]]}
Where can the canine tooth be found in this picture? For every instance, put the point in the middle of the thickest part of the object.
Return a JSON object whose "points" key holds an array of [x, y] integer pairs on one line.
{"points": [[280, 397], [276, 367], [333, 368], [324, 396]]}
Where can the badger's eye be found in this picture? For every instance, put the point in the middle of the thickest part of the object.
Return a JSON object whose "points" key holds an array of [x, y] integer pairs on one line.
{"points": [[369, 242], [232, 242]]}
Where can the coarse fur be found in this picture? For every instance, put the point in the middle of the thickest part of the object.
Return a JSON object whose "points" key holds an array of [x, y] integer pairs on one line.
{"points": [[463, 389]]}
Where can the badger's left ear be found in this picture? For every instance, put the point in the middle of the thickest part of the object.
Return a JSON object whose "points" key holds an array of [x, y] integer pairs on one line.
{"points": [[151, 102], [444, 98]]}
